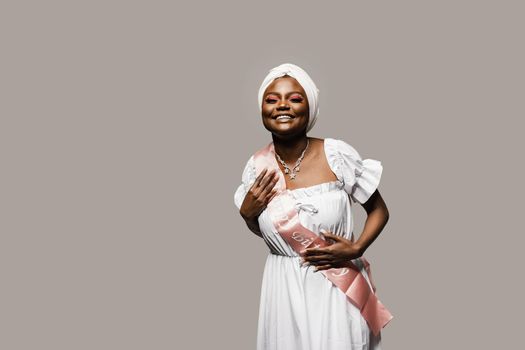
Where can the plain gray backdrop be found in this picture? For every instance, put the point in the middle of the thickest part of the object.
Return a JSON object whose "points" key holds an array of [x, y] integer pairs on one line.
{"points": [[125, 127]]}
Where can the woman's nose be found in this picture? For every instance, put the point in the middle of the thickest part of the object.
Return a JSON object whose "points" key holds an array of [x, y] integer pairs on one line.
{"points": [[283, 104]]}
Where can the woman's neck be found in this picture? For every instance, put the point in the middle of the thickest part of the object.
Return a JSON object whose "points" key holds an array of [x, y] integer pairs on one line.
{"points": [[290, 149]]}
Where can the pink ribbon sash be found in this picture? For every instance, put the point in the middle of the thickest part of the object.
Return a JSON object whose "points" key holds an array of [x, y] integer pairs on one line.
{"points": [[349, 279]]}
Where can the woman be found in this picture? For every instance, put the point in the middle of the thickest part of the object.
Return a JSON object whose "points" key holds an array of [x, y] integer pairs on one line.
{"points": [[299, 308]]}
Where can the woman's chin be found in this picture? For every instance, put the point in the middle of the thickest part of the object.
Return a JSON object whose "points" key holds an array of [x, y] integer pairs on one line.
{"points": [[286, 130]]}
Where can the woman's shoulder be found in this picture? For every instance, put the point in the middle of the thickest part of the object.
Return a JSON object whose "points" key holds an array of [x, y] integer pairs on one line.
{"points": [[328, 143], [337, 148]]}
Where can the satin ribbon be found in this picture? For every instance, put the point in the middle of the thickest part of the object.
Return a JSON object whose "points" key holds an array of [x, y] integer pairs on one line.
{"points": [[285, 217]]}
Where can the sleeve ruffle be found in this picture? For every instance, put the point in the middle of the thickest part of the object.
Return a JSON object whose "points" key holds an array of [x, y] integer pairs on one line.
{"points": [[360, 176], [248, 178]]}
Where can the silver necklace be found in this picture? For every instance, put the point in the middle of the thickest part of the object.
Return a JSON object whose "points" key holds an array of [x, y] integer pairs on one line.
{"points": [[296, 168]]}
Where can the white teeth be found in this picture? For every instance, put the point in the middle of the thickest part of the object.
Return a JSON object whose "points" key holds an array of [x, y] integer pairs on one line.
{"points": [[284, 117]]}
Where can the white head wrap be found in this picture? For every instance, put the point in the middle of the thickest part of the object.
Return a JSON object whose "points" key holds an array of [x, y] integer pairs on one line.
{"points": [[312, 92]]}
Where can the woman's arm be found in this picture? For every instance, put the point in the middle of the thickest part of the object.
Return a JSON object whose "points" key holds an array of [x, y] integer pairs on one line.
{"points": [[253, 225], [342, 251], [257, 198], [376, 220]]}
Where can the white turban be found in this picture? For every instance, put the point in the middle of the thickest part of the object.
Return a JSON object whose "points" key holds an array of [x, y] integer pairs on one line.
{"points": [[312, 92]]}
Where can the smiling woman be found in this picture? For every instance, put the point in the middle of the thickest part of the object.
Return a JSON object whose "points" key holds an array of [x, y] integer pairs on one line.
{"points": [[296, 194]]}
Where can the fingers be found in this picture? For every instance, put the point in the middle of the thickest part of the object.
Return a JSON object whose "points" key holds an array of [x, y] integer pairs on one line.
{"points": [[332, 236], [323, 267], [269, 185], [260, 177], [319, 258], [266, 184], [316, 251], [317, 262], [270, 196], [269, 192], [267, 179]]}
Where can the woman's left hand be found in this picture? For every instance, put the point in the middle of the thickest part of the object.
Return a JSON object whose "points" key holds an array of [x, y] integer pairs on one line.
{"points": [[336, 255]]}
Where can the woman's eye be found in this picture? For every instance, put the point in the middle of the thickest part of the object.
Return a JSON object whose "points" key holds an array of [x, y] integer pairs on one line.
{"points": [[271, 100], [297, 99]]}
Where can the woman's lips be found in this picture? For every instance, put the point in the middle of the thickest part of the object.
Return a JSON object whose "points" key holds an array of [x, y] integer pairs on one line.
{"points": [[283, 118]]}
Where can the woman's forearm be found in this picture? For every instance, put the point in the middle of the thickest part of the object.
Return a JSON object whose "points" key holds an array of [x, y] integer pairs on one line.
{"points": [[375, 222]]}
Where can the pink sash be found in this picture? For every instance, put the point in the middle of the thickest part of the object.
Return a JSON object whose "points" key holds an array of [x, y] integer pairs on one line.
{"points": [[349, 279]]}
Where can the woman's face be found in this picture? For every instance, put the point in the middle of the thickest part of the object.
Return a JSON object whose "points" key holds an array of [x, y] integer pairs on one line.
{"points": [[285, 109]]}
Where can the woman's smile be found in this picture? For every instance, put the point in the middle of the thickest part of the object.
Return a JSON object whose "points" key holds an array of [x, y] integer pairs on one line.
{"points": [[284, 118]]}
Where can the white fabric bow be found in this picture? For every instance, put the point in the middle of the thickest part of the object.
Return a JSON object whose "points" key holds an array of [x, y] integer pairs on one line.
{"points": [[307, 207]]}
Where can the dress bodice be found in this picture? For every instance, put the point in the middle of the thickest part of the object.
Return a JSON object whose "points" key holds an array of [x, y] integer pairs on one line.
{"points": [[323, 206]]}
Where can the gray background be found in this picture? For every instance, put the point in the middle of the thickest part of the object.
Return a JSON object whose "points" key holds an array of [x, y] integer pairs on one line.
{"points": [[125, 127]]}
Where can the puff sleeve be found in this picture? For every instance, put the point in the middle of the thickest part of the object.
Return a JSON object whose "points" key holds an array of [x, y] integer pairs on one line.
{"points": [[248, 178], [360, 176]]}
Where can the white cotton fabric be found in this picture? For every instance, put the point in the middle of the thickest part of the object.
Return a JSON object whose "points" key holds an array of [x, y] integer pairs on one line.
{"points": [[312, 92], [300, 309]]}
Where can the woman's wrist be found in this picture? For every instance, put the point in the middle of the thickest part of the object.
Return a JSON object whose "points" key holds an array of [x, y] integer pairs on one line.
{"points": [[360, 246], [248, 218], [253, 224]]}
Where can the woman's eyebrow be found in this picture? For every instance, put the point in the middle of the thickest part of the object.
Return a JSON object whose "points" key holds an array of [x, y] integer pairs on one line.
{"points": [[276, 93]]}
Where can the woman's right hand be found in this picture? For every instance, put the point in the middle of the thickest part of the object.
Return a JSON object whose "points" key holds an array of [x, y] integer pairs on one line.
{"points": [[259, 195]]}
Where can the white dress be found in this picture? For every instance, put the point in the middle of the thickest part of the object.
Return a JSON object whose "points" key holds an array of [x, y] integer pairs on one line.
{"points": [[300, 309]]}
